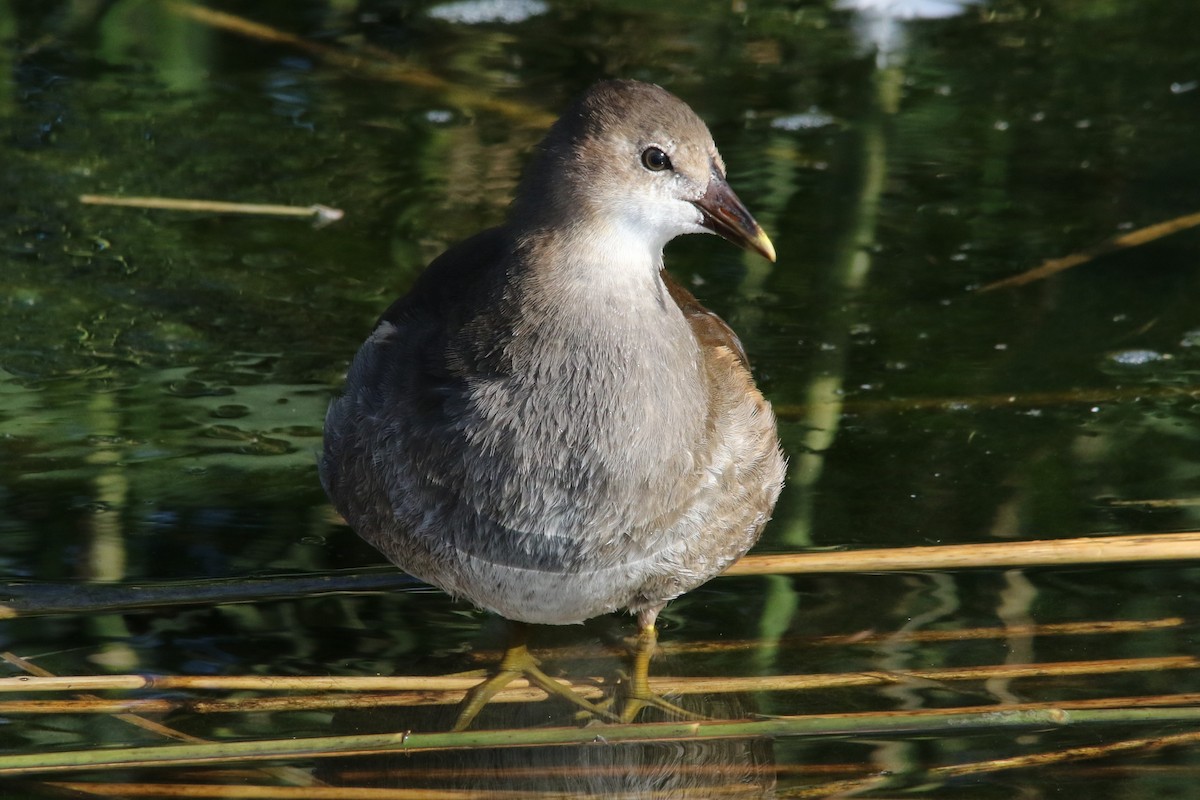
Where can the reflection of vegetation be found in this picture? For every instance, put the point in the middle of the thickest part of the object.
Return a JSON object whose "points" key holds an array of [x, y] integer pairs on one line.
{"points": [[164, 378]]}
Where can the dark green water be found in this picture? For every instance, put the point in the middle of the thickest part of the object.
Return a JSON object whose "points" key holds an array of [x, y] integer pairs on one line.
{"points": [[163, 375]]}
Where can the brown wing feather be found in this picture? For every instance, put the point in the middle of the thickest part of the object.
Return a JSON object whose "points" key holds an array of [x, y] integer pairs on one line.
{"points": [[710, 330]]}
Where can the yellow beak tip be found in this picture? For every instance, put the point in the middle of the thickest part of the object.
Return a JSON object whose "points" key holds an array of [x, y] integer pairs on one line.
{"points": [[762, 243]]}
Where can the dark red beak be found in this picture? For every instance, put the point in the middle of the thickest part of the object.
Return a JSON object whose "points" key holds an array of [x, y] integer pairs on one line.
{"points": [[725, 215]]}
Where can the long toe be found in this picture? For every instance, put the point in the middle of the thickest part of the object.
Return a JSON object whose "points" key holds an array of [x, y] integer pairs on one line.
{"points": [[518, 662], [635, 703]]}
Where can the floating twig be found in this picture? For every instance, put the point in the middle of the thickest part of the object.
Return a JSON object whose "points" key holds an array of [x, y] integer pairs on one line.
{"points": [[32, 599], [321, 215], [925, 722], [1043, 552], [222, 791], [869, 637], [284, 773], [372, 63], [38, 673], [1160, 502], [1086, 752], [1131, 239], [446, 689]]}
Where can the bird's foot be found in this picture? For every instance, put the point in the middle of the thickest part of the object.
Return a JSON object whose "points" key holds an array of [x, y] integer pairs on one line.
{"points": [[637, 701], [638, 694], [518, 662]]}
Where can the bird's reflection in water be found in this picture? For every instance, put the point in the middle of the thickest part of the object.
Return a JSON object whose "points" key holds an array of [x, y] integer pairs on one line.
{"points": [[725, 768]]}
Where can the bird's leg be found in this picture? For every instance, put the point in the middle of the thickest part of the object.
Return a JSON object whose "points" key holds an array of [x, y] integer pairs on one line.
{"points": [[518, 662], [639, 695]]}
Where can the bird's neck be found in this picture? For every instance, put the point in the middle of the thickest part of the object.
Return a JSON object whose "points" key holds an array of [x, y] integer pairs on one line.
{"points": [[599, 260], [596, 310]]}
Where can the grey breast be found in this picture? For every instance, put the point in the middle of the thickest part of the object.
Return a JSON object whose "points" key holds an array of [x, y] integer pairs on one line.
{"points": [[543, 464]]}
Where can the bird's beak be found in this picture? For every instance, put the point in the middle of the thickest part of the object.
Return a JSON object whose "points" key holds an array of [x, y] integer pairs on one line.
{"points": [[725, 215]]}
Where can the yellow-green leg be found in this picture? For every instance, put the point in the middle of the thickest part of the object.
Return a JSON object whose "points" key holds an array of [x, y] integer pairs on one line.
{"points": [[639, 695], [518, 662]]}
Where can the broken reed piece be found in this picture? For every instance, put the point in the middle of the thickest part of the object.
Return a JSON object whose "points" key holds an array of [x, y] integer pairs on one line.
{"points": [[1183, 546], [995, 720], [319, 214], [445, 689], [1135, 238], [369, 62]]}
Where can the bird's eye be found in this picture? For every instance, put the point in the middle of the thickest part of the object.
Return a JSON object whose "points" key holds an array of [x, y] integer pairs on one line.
{"points": [[655, 160]]}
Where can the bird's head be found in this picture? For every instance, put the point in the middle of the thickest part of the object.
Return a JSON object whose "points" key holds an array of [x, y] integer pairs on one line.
{"points": [[631, 158]]}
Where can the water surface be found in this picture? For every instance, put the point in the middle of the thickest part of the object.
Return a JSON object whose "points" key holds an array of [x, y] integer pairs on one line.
{"points": [[163, 375]]}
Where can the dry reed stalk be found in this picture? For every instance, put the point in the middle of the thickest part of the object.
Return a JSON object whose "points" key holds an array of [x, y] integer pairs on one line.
{"points": [[1068, 754], [371, 63], [258, 683], [1132, 239], [443, 690], [321, 215], [843, 787], [821, 790], [670, 648], [788, 683], [39, 673], [251, 792], [286, 774], [1100, 627], [1036, 553], [1006, 632], [1062, 552], [1138, 770], [226, 792], [1162, 502], [924, 722], [310, 703], [91, 705]]}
